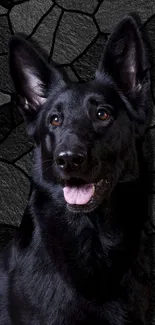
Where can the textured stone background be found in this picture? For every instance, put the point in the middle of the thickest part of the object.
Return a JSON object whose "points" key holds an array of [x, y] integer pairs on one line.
{"points": [[73, 33]]}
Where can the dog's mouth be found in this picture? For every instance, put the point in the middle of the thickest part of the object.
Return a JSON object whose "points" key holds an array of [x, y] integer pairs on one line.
{"points": [[83, 197]]}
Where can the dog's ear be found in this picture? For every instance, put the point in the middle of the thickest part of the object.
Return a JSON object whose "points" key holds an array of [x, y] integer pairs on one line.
{"points": [[32, 78], [124, 57]]}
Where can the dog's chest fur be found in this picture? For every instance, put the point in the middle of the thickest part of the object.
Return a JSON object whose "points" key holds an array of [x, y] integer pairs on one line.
{"points": [[69, 272]]}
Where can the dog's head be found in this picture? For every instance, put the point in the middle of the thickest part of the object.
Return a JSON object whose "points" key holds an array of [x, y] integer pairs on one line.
{"points": [[85, 134]]}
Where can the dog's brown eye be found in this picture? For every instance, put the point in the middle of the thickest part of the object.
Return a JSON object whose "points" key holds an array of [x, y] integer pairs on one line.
{"points": [[103, 115], [55, 120]]}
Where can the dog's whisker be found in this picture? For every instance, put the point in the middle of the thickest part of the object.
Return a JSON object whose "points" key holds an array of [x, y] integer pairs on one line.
{"points": [[47, 168], [48, 160]]}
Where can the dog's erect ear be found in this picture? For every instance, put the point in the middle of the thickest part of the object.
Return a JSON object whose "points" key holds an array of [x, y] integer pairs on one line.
{"points": [[124, 57], [32, 77]]}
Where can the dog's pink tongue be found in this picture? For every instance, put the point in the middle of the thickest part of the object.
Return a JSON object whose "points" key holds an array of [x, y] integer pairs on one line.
{"points": [[78, 195]]}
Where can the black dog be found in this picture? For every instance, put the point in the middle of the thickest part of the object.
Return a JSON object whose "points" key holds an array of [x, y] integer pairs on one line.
{"points": [[80, 233]]}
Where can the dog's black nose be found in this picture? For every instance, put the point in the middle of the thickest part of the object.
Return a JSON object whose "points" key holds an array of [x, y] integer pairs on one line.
{"points": [[70, 160]]}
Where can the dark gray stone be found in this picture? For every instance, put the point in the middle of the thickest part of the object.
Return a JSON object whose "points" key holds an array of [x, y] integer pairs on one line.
{"points": [[83, 5], [44, 33], [5, 121], [25, 163], [17, 117], [3, 10], [5, 79], [75, 32], [16, 144], [111, 12], [4, 34], [14, 190], [70, 73], [88, 63], [4, 98], [25, 16]]}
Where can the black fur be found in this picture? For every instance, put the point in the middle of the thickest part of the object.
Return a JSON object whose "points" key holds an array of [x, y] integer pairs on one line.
{"points": [[69, 264]]}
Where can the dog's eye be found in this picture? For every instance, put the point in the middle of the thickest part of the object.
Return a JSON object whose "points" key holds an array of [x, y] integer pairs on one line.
{"points": [[103, 115], [55, 120]]}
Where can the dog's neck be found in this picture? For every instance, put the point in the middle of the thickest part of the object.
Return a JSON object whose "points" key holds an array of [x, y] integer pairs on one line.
{"points": [[84, 246]]}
